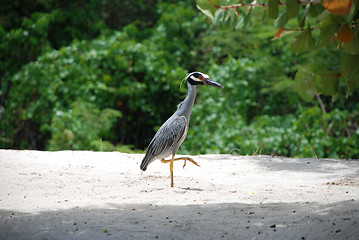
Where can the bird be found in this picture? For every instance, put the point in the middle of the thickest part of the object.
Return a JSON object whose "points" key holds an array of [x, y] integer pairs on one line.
{"points": [[173, 132]]}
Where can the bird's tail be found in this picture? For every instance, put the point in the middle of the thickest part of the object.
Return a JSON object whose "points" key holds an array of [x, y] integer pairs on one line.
{"points": [[145, 163]]}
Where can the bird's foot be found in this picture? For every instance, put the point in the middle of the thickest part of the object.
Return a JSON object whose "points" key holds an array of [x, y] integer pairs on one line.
{"points": [[182, 158], [188, 159]]}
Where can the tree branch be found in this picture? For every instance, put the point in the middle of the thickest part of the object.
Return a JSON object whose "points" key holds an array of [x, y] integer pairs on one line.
{"points": [[255, 4]]}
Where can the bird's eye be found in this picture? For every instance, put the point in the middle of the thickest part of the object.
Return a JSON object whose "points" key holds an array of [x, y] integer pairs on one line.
{"points": [[200, 77]]}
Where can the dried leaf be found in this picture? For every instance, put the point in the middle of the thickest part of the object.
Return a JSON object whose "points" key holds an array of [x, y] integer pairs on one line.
{"points": [[344, 34], [338, 7]]}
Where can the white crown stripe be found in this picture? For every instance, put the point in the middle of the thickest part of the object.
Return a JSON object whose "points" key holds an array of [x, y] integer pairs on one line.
{"points": [[193, 78]]}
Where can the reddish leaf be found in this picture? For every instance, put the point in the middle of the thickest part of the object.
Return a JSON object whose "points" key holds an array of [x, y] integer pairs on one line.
{"points": [[280, 30], [344, 34], [338, 7]]}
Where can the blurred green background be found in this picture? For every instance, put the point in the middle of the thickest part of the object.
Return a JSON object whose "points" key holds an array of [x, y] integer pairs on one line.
{"points": [[104, 75]]}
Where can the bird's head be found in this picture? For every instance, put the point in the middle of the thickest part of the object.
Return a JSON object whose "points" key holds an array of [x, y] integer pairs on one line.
{"points": [[197, 78]]}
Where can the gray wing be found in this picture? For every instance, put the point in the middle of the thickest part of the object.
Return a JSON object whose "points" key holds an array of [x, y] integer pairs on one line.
{"points": [[165, 139]]}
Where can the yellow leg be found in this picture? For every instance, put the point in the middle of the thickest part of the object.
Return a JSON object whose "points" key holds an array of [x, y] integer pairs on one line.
{"points": [[177, 159], [182, 158], [171, 169]]}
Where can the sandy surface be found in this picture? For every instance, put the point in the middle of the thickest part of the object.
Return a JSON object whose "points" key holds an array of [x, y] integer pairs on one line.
{"points": [[93, 195]]}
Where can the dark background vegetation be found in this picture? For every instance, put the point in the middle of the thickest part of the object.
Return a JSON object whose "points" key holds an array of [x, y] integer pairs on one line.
{"points": [[104, 75]]}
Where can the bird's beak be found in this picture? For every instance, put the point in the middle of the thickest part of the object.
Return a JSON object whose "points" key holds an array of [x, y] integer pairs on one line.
{"points": [[212, 83]]}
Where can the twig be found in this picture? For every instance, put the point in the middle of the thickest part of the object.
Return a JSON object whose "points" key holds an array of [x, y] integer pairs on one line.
{"points": [[300, 140], [282, 29], [329, 128], [62, 146], [256, 152], [299, 29], [320, 102], [315, 152], [234, 149], [346, 155]]}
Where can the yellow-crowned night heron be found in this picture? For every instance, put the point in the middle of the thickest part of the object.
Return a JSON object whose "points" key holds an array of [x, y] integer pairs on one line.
{"points": [[172, 133]]}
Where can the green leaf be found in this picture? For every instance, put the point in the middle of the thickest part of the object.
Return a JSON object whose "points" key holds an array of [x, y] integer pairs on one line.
{"points": [[301, 21], [352, 47], [350, 69], [314, 77], [227, 14], [328, 26], [218, 17], [232, 18], [304, 83], [207, 7], [354, 10], [239, 23], [282, 20], [315, 9], [326, 82], [292, 8], [303, 17], [303, 42], [247, 19], [244, 21], [273, 8]]}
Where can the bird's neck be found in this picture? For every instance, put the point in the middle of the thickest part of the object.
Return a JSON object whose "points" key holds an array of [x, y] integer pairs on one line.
{"points": [[185, 107]]}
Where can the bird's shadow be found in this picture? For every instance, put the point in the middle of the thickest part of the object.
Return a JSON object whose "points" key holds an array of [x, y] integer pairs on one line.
{"points": [[193, 189]]}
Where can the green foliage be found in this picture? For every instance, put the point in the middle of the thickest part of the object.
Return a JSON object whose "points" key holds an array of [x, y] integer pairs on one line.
{"points": [[250, 123], [332, 134], [219, 117], [350, 70], [82, 127], [312, 133], [314, 78], [62, 89], [329, 24], [31, 28], [207, 7], [133, 71]]}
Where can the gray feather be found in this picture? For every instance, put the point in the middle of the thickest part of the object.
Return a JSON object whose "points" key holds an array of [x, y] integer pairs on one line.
{"points": [[164, 141]]}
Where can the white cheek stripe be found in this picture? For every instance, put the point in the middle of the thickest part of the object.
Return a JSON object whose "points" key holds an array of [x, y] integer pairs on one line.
{"points": [[194, 78]]}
